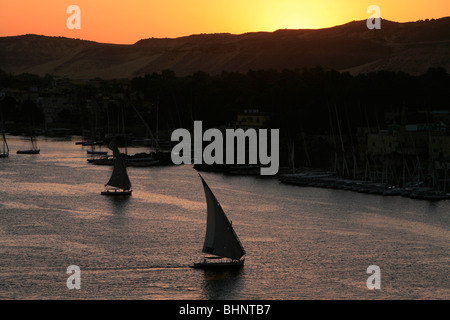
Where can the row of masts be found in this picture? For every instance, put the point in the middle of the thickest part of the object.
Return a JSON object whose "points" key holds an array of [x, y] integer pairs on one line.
{"points": [[394, 170], [156, 155], [116, 127]]}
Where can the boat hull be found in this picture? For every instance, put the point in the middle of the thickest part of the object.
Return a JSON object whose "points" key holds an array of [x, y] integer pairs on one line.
{"points": [[28, 151], [219, 265], [116, 193]]}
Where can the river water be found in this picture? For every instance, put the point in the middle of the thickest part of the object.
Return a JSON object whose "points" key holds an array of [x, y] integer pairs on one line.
{"points": [[301, 243]]}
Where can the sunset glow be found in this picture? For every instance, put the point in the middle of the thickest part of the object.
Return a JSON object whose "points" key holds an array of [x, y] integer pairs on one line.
{"points": [[129, 21]]}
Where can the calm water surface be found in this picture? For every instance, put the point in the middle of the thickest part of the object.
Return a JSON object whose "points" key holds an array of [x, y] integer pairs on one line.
{"points": [[301, 243]]}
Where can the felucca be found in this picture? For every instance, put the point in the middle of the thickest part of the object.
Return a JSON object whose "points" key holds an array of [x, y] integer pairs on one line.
{"points": [[220, 241], [119, 184]]}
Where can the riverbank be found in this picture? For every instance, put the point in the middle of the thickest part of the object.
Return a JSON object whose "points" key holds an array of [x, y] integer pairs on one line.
{"points": [[413, 190]]}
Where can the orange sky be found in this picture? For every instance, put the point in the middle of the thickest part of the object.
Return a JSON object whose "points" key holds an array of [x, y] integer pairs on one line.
{"points": [[119, 21]]}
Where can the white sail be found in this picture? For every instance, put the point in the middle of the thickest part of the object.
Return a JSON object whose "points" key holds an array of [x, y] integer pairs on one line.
{"points": [[119, 177], [220, 239]]}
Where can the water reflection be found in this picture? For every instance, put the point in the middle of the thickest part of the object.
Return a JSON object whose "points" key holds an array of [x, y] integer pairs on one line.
{"points": [[118, 205], [51, 210], [221, 284], [118, 216]]}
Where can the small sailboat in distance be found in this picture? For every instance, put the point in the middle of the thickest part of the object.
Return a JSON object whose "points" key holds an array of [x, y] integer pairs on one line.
{"points": [[119, 184], [4, 152], [221, 241], [34, 148]]}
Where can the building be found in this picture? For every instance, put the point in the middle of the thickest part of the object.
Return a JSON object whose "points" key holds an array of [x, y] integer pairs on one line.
{"points": [[382, 143], [253, 119]]}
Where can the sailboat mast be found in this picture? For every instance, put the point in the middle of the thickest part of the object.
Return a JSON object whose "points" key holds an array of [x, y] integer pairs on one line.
{"points": [[33, 141], [4, 144], [147, 126], [124, 133]]}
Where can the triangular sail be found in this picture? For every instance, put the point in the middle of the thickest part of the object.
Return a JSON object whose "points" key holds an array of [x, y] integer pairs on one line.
{"points": [[220, 239], [119, 177]]}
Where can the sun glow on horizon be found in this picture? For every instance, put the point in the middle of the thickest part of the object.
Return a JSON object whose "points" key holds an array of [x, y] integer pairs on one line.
{"points": [[128, 22]]}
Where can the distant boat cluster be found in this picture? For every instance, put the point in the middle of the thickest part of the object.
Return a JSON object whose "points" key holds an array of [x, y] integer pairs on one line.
{"points": [[99, 157], [413, 190]]}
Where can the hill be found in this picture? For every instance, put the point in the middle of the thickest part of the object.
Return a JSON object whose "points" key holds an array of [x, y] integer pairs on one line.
{"points": [[411, 47]]}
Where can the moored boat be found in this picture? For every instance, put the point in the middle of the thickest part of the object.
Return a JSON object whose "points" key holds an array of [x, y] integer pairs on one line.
{"points": [[34, 148]]}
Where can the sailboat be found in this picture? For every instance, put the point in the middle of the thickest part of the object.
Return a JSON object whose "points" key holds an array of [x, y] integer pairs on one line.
{"points": [[5, 149], [119, 184], [34, 148], [220, 241]]}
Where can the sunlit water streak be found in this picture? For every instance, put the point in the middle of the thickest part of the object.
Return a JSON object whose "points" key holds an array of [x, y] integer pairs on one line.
{"points": [[301, 243]]}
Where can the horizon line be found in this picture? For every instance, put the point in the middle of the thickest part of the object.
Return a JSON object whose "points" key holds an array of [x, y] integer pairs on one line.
{"points": [[218, 33]]}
